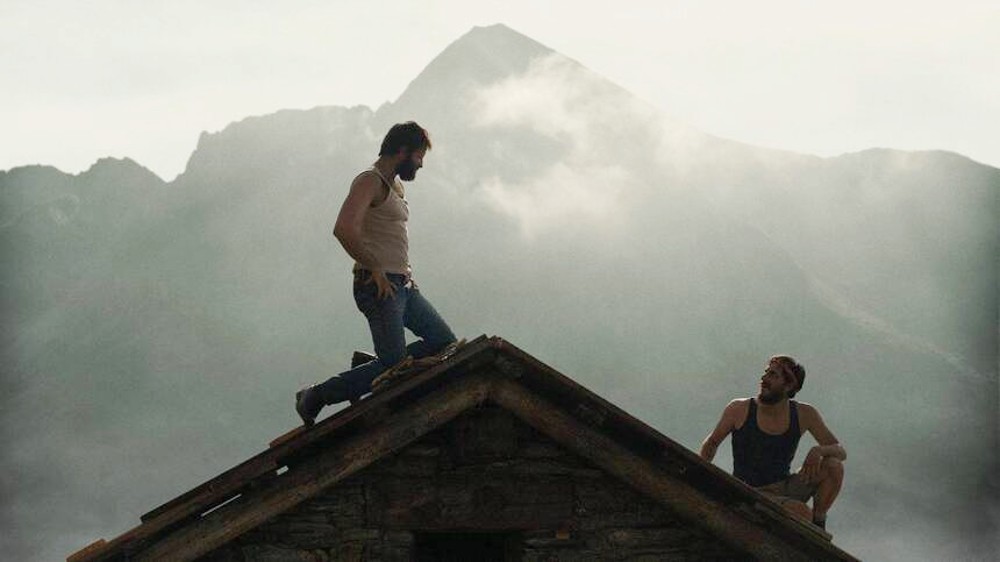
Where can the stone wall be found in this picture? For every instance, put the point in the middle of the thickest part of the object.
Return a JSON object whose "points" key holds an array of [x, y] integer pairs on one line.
{"points": [[486, 476]]}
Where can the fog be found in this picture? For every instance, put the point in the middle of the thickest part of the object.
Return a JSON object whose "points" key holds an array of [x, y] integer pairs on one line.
{"points": [[155, 332]]}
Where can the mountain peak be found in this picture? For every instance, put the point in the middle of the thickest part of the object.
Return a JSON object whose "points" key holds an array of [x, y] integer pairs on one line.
{"points": [[497, 33], [485, 54], [119, 169]]}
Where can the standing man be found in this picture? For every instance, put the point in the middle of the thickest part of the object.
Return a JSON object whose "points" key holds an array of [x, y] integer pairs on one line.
{"points": [[371, 227], [766, 432]]}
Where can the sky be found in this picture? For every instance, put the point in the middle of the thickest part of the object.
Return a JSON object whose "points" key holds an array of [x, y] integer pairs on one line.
{"points": [[86, 80]]}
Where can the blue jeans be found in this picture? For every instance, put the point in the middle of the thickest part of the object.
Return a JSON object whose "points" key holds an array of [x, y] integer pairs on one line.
{"points": [[386, 319]]}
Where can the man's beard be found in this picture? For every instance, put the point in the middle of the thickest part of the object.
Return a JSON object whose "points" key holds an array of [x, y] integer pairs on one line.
{"points": [[406, 170], [771, 397]]}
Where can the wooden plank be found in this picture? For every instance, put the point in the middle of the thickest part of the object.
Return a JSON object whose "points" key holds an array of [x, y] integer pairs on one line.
{"points": [[88, 551], [313, 475], [287, 436], [647, 478], [773, 511], [491, 503], [191, 504]]}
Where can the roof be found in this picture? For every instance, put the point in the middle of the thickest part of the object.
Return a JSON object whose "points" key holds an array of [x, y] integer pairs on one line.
{"points": [[303, 462]]}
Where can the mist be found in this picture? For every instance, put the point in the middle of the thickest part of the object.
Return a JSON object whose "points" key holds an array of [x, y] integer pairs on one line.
{"points": [[155, 332]]}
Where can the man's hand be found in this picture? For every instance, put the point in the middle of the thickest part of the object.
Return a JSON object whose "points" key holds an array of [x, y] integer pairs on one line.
{"points": [[810, 467], [383, 286]]}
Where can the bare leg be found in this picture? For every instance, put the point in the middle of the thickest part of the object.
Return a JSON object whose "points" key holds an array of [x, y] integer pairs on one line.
{"points": [[831, 477], [798, 508]]}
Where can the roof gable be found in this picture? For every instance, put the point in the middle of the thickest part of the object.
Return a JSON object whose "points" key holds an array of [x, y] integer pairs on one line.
{"points": [[304, 462], [485, 477]]}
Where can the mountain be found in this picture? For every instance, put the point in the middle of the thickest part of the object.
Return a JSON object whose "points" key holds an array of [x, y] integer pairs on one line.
{"points": [[155, 332]]}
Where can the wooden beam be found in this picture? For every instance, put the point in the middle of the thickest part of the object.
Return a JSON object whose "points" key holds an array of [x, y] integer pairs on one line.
{"points": [[318, 473], [495, 503], [647, 478], [88, 551]]}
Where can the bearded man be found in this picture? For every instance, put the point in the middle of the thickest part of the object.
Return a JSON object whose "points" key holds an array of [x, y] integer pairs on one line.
{"points": [[766, 433], [371, 227]]}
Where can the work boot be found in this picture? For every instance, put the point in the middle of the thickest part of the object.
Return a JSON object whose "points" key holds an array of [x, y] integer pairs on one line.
{"points": [[311, 399], [308, 403]]}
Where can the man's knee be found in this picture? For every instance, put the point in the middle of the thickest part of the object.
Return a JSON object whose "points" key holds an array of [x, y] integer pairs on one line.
{"points": [[435, 342]]}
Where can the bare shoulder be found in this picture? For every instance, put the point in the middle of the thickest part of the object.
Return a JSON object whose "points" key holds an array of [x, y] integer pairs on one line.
{"points": [[737, 410], [808, 414], [367, 179], [807, 409], [738, 403], [810, 420], [368, 189]]}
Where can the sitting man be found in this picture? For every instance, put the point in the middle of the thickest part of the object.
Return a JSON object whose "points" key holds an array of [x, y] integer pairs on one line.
{"points": [[766, 433]]}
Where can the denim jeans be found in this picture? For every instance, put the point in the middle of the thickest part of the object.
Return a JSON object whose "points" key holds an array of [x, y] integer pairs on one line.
{"points": [[386, 319]]}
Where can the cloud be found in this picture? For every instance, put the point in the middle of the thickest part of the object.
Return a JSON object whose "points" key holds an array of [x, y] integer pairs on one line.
{"points": [[594, 120], [563, 194], [559, 98]]}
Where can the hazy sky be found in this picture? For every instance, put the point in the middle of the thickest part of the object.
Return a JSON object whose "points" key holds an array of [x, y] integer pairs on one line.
{"points": [[83, 80]]}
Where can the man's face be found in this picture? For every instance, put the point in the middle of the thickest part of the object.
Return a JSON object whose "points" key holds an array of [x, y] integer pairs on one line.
{"points": [[407, 168], [775, 384]]}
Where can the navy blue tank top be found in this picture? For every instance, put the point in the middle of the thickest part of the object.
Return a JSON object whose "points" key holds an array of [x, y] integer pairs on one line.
{"points": [[760, 458]]}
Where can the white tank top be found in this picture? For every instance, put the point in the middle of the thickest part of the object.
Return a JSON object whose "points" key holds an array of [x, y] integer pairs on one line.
{"points": [[383, 231]]}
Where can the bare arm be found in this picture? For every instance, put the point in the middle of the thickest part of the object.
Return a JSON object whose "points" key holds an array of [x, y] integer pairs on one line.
{"points": [[828, 445], [365, 190], [347, 229], [726, 425]]}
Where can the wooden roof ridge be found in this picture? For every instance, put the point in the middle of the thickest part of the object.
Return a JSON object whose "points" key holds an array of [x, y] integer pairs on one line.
{"points": [[538, 394]]}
